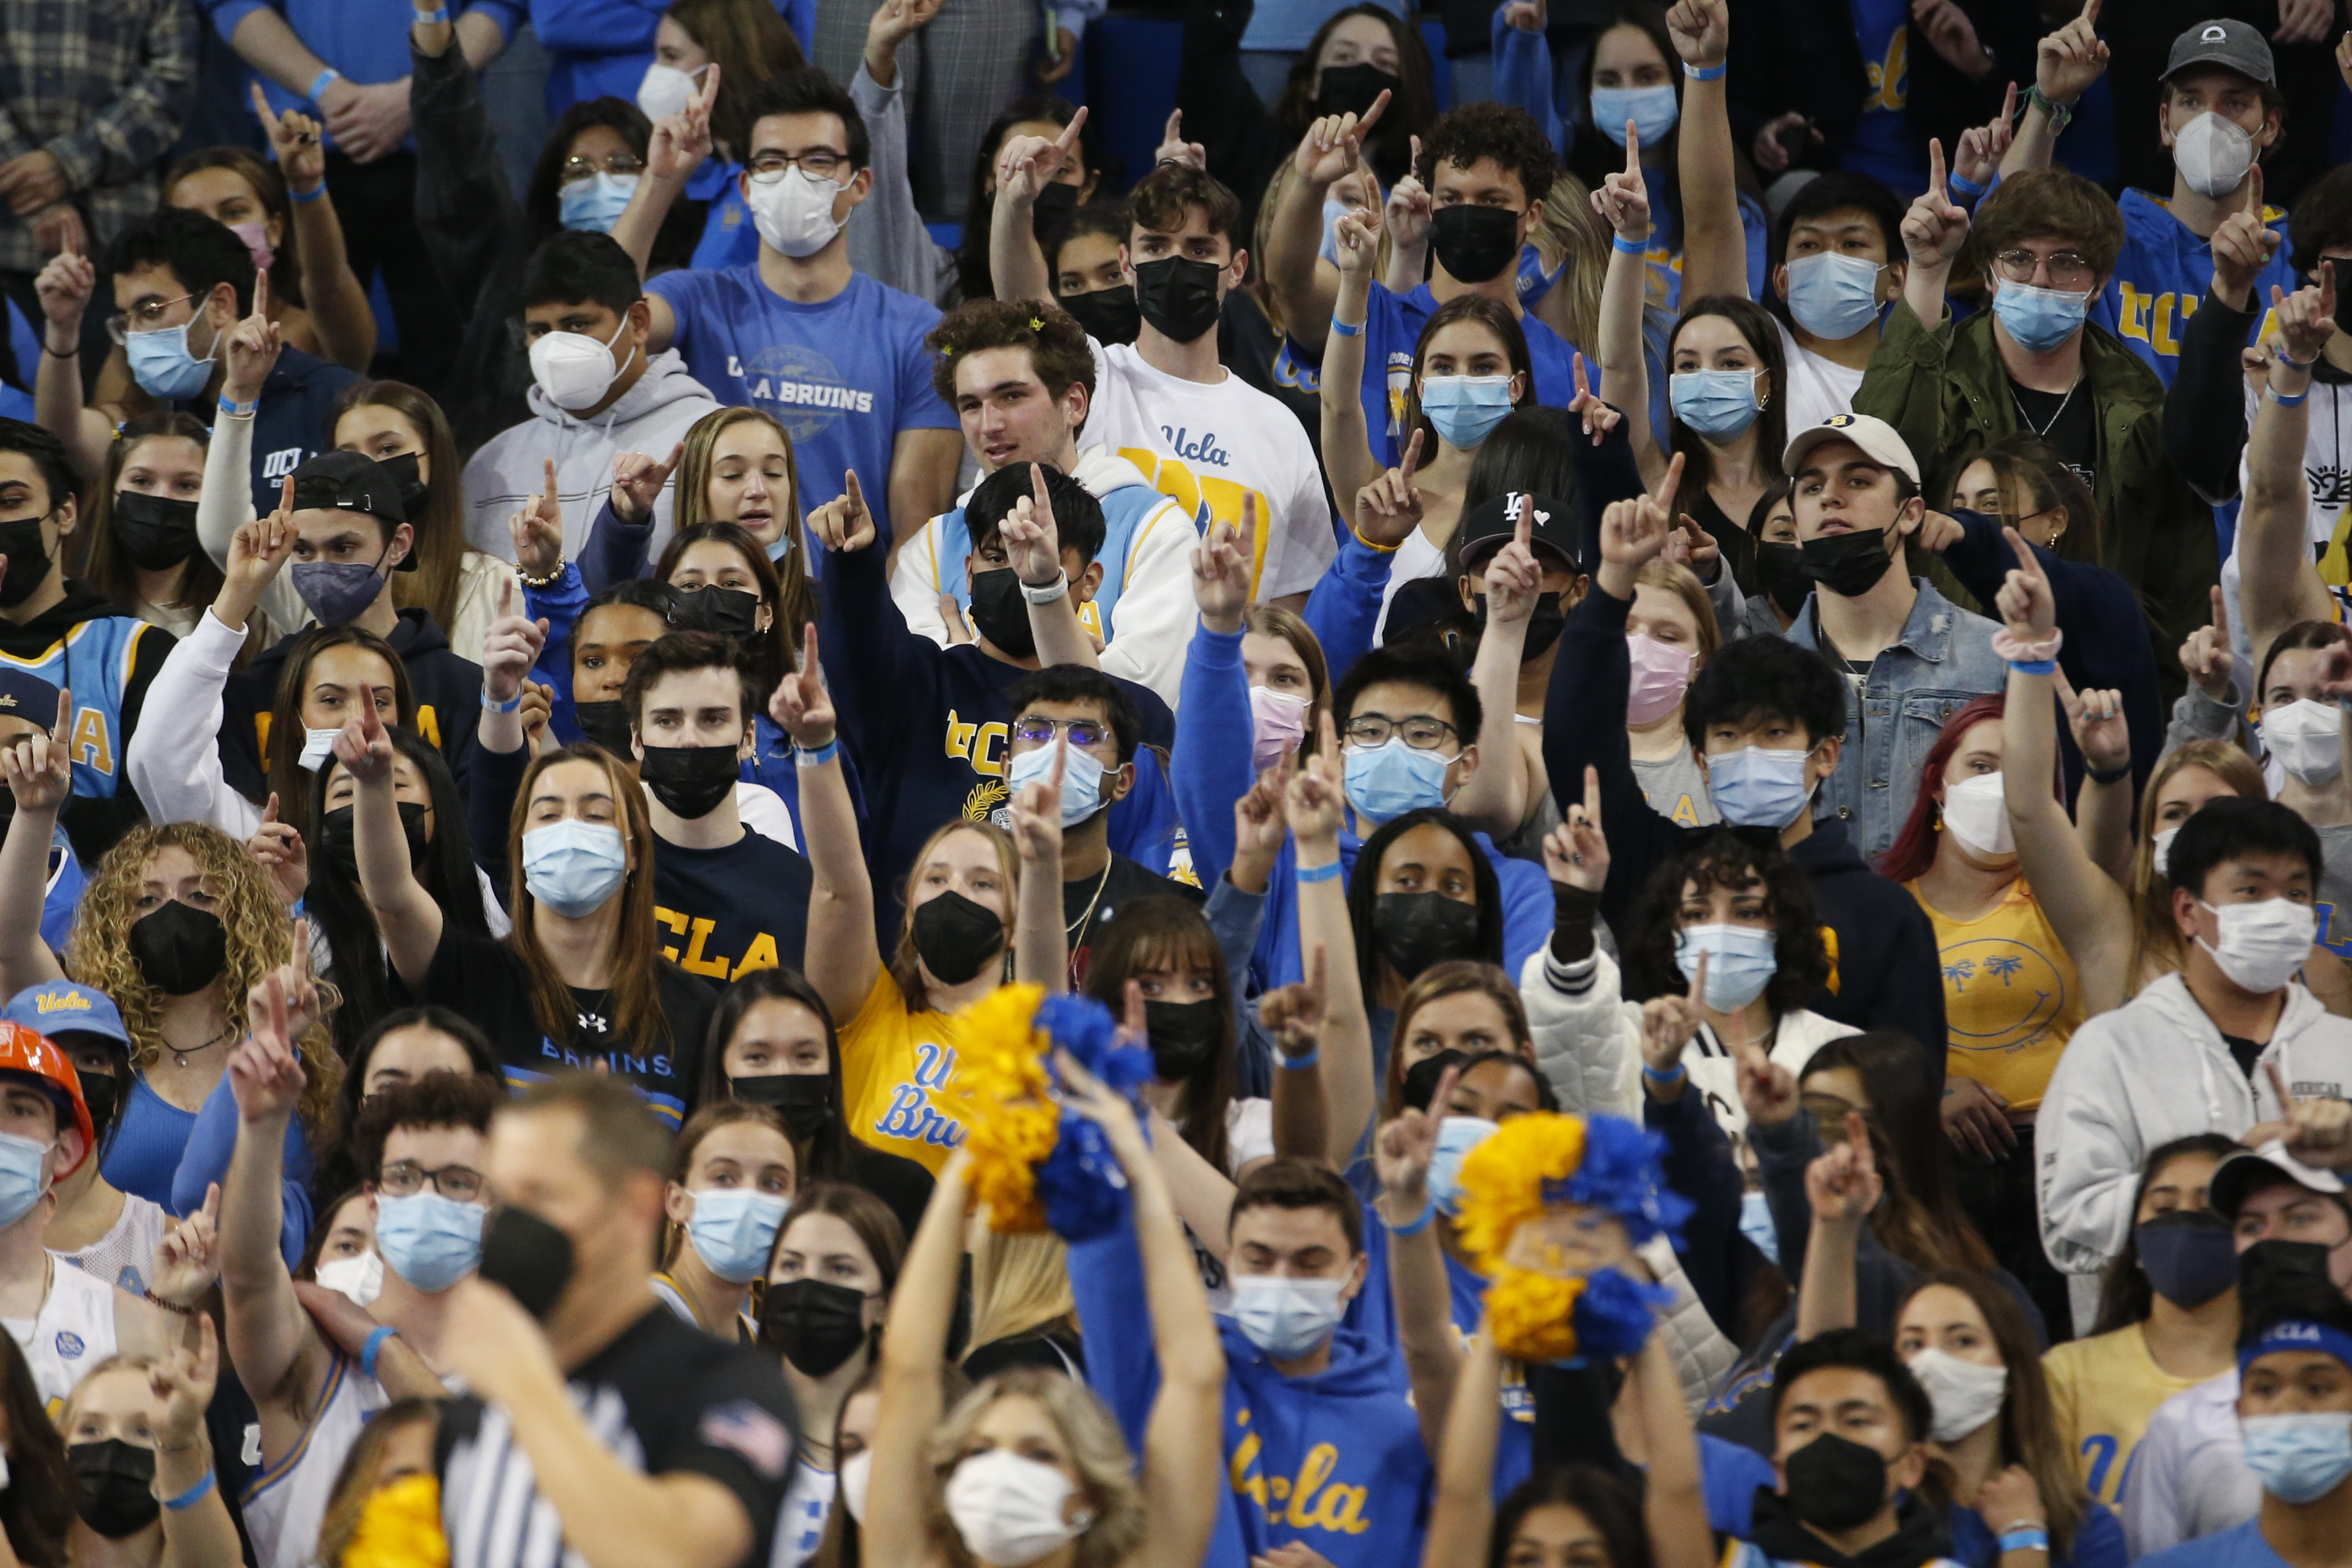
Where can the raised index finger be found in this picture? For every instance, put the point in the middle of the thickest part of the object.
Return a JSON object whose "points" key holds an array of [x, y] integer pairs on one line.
{"points": [[1669, 481], [65, 717], [1412, 458], [1697, 992], [2327, 290], [2278, 1085], [1371, 116], [1070, 132], [1936, 170], [1632, 149], [261, 292]]}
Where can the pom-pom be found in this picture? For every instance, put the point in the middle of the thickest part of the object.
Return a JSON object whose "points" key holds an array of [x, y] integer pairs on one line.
{"points": [[400, 1527], [1621, 1174], [1083, 1189], [1614, 1314]]}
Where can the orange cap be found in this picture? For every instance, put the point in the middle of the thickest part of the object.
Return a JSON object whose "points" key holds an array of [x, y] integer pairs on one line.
{"points": [[28, 1054]]}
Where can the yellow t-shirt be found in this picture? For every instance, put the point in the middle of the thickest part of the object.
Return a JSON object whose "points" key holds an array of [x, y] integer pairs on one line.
{"points": [[895, 1067], [2011, 999], [2102, 1393]]}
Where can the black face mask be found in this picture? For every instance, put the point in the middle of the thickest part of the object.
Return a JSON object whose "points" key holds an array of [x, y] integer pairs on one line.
{"points": [[1054, 201], [816, 1323], [1351, 89], [730, 612], [155, 533], [606, 723], [102, 1093], [339, 844], [403, 470], [1847, 564], [1835, 1483], [1178, 296], [1421, 1079], [804, 1099], [999, 612], [953, 936], [1780, 573], [180, 949], [117, 1481], [1414, 930], [529, 1257], [2268, 1265], [1183, 1036], [29, 559], [691, 781], [2190, 1256], [1108, 315], [1545, 623], [1475, 244]]}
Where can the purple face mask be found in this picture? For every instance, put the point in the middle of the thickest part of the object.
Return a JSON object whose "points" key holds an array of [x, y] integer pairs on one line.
{"points": [[336, 592], [257, 243]]}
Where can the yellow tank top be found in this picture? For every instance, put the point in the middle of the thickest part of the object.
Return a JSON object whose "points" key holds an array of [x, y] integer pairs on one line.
{"points": [[2011, 999]]}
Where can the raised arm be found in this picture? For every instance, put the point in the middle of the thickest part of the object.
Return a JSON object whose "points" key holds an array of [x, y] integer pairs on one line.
{"points": [[268, 1333], [1674, 1500], [679, 143], [1933, 232], [1715, 242], [1624, 202], [1424, 1297], [1025, 166], [1347, 456], [914, 1344], [1332, 147], [199, 1534], [1841, 1185], [1462, 1518], [1315, 803], [39, 772], [1041, 942], [65, 287], [841, 957], [407, 916], [337, 305], [2278, 584], [2102, 811], [1291, 1017], [2065, 64], [1494, 797], [1032, 546]]}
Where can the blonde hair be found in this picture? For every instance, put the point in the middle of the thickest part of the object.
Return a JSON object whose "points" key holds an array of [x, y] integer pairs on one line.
{"points": [[796, 602], [2155, 939], [1684, 583], [1572, 230], [1107, 1478], [141, 1365], [1020, 1283], [903, 970]]}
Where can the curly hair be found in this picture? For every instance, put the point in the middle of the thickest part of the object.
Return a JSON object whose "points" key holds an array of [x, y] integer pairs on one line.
{"points": [[1056, 344], [1502, 131], [1162, 200], [1107, 1471], [1725, 859], [98, 954]]}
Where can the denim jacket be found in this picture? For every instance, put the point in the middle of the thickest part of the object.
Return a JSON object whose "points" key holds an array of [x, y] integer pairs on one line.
{"points": [[1943, 659]]}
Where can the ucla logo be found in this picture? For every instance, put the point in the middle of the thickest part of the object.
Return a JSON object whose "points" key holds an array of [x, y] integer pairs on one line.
{"points": [[71, 1002], [909, 1115], [2299, 1333], [1837, 421], [1306, 1502], [1204, 450], [69, 1345]]}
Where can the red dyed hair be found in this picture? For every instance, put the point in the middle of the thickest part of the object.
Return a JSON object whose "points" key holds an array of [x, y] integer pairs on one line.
{"points": [[1914, 849]]}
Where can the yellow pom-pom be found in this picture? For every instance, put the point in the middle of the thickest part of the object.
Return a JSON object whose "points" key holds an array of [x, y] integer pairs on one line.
{"points": [[1011, 1121], [1533, 1316], [1503, 1181], [400, 1527]]}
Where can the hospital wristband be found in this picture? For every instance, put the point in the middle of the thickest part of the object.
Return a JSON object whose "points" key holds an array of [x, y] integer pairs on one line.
{"points": [[492, 705], [1349, 329], [1706, 73], [815, 757], [2026, 1540], [1416, 1225], [1310, 874], [2285, 401], [1300, 1064], [1631, 247], [312, 194], [431, 19], [319, 83], [1049, 592], [2034, 666], [235, 410], [196, 1494], [373, 1347]]}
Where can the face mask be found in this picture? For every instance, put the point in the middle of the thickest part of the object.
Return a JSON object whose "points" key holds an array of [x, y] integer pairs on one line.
{"points": [[1545, 623], [257, 243], [527, 1257], [22, 1181], [180, 949], [404, 470], [117, 1487], [1652, 110], [2189, 1256], [1456, 1136], [794, 215], [691, 781], [101, 1094], [1393, 778], [1414, 930], [1184, 1036], [161, 364], [804, 1099], [1008, 1509], [573, 867], [1833, 296], [2213, 154], [1054, 200], [1110, 315], [954, 936], [606, 723], [816, 1323], [1780, 573], [1475, 244], [1964, 1394], [595, 206], [1178, 295], [1286, 1318], [429, 1240], [2299, 1458], [2262, 946], [1847, 564], [338, 592], [575, 369], [1351, 89], [1277, 723], [1835, 1483], [665, 91], [732, 1229], [27, 556], [1756, 1223], [1465, 408], [155, 533], [1717, 403], [1741, 961], [1000, 614], [727, 612], [855, 1471], [2039, 319], [2159, 850], [1661, 675], [1978, 816], [318, 745], [1421, 1078], [360, 1278], [1082, 779], [338, 846], [1758, 786], [2306, 737]]}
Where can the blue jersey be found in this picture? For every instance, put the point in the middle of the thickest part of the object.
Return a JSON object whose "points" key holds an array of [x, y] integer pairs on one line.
{"points": [[61, 898], [96, 659], [2161, 278]]}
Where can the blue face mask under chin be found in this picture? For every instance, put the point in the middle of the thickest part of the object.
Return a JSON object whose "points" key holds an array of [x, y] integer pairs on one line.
{"points": [[2039, 319], [595, 205], [1390, 779], [162, 365]]}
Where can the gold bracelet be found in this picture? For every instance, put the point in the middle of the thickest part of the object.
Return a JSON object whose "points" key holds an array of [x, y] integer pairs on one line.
{"points": [[1376, 549]]}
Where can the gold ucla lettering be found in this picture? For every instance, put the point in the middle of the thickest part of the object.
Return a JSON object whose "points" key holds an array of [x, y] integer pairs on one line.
{"points": [[694, 963], [761, 954], [1247, 1481], [428, 724], [676, 922], [2160, 336], [92, 747], [987, 751], [2131, 321], [960, 736]]}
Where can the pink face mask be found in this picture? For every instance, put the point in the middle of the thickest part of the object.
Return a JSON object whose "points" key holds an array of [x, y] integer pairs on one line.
{"points": [[1661, 674], [1277, 722], [257, 242]]}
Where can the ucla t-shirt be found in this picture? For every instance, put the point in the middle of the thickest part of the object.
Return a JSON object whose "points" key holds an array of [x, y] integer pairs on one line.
{"points": [[1882, 146], [2161, 278], [722, 913], [729, 238], [843, 377]]}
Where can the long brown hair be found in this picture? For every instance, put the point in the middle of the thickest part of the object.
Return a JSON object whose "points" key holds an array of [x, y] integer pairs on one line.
{"points": [[2155, 939], [1762, 335], [713, 1116], [637, 1013], [439, 543], [355, 1482], [269, 188], [1497, 318], [1453, 977], [1920, 1219], [791, 599], [1274, 621], [2032, 480], [1162, 932], [105, 569], [904, 972], [282, 743], [751, 46], [37, 1512]]}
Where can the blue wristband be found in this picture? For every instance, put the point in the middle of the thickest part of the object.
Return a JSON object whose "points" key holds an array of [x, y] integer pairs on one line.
{"points": [[2026, 1540], [1965, 188], [429, 18], [1417, 1225], [239, 410], [1300, 1064], [1348, 331], [1631, 247], [312, 194], [196, 1494], [1706, 73], [512, 704], [319, 83], [1307, 874], [2034, 666], [2283, 401], [1654, 1075], [373, 1346], [804, 758]]}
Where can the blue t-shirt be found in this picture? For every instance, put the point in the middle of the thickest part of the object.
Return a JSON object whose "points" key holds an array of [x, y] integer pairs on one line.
{"points": [[2161, 277], [728, 236], [2242, 1547], [843, 377], [366, 40], [1882, 146]]}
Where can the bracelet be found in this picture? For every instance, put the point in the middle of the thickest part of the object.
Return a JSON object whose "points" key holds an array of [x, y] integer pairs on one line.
{"points": [[1706, 73], [2283, 401], [1049, 592], [2289, 360], [554, 575], [196, 1494], [807, 757], [1415, 1225], [1654, 1075], [2034, 666], [512, 704], [234, 409], [1376, 549], [74, 353], [1631, 247], [1347, 328], [2111, 776], [312, 194], [1965, 185], [1308, 874], [154, 1301], [373, 1346], [319, 83], [1300, 1064], [2035, 1539], [2061, 114], [431, 19]]}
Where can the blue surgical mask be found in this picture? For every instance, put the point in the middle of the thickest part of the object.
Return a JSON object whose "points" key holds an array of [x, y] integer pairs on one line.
{"points": [[732, 1229], [1652, 110], [1456, 1136], [573, 867], [429, 1240], [1333, 211], [1082, 779], [780, 548], [1390, 779], [21, 1183], [1717, 404], [1286, 1318], [338, 592], [1758, 786], [1740, 961], [1756, 1223], [1833, 296], [596, 204], [2299, 1458], [1465, 408], [161, 364], [2039, 318]]}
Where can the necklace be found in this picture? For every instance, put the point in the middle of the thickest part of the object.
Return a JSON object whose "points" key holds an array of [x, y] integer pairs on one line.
{"points": [[180, 1056], [2044, 429], [1076, 926]]}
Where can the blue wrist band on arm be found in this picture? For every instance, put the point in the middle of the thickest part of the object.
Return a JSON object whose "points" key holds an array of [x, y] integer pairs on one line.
{"points": [[1706, 73], [429, 17], [2026, 1540], [373, 1347], [2034, 666], [196, 1494], [319, 83], [1318, 873], [1631, 247], [804, 758], [312, 194], [492, 705], [1300, 1064], [1965, 186], [1654, 1075], [2283, 401], [1346, 331], [239, 410], [1417, 1224]]}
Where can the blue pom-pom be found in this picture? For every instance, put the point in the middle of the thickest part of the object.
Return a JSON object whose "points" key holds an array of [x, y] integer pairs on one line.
{"points": [[1615, 1311], [1621, 1174], [1080, 1183]]}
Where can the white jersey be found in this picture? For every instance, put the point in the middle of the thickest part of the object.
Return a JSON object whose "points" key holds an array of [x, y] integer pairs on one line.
{"points": [[800, 1525], [124, 1254], [74, 1331], [286, 1504]]}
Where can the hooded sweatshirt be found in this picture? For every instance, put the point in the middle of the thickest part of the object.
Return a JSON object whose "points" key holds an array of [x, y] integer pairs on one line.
{"points": [[2155, 1070], [1777, 1536], [651, 418]]}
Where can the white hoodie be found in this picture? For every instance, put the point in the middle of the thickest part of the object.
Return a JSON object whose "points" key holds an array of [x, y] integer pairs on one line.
{"points": [[650, 417], [2152, 1070]]}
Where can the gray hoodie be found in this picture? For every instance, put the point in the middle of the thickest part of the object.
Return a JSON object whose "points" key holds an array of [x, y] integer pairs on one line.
{"points": [[650, 417], [2152, 1070]]}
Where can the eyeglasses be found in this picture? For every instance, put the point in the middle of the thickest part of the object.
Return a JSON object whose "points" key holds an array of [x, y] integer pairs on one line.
{"points": [[1038, 731], [1422, 733], [141, 318], [405, 1178], [616, 163], [817, 164], [2067, 267]]}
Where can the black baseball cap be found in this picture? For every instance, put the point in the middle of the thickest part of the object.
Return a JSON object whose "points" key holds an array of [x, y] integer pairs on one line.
{"points": [[2226, 42], [1493, 522], [352, 481]]}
